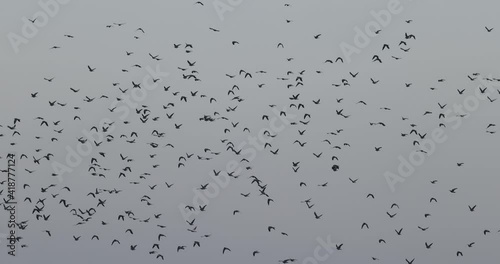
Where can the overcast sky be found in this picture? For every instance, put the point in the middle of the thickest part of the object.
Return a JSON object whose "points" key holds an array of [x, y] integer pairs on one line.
{"points": [[451, 43]]}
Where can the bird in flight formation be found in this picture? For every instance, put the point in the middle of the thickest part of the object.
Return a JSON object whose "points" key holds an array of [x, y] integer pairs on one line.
{"points": [[138, 164]]}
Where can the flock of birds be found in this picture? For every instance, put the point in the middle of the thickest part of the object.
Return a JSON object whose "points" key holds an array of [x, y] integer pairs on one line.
{"points": [[113, 161]]}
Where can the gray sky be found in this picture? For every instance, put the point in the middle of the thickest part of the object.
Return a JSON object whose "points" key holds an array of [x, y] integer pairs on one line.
{"points": [[451, 43]]}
